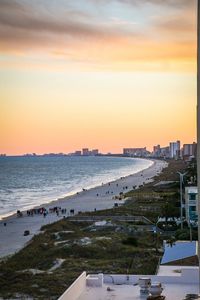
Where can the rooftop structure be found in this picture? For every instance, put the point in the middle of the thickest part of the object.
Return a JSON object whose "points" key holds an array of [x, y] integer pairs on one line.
{"points": [[126, 287]]}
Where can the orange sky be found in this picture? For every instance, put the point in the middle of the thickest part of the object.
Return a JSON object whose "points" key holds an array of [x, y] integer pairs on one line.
{"points": [[98, 74]]}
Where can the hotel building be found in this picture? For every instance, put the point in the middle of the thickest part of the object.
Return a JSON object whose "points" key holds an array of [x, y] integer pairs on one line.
{"points": [[174, 148], [141, 152], [191, 203]]}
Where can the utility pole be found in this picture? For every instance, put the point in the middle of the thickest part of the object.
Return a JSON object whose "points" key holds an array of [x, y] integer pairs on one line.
{"points": [[181, 195]]}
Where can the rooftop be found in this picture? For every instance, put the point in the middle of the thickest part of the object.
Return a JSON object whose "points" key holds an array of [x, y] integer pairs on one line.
{"points": [[118, 287], [180, 250], [172, 270], [129, 292]]}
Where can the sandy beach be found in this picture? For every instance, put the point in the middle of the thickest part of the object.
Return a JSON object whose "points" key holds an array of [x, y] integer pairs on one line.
{"points": [[101, 197]]}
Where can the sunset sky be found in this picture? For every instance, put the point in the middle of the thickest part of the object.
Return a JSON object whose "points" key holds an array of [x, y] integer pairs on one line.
{"points": [[103, 74]]}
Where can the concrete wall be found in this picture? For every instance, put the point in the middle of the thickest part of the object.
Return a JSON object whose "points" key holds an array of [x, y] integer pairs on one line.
{"points": [[187, 276], [76, 289]]}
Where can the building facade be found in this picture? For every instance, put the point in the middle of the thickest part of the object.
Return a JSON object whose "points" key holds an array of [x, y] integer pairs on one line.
{"points": [[174, 148], [157, 151], [95, 152], [189, 150], [85, 151], [191, 203], [141, 152]]}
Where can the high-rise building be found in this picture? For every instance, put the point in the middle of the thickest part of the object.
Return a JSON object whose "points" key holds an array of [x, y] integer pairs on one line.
{"points": [[164, 152], [189, 150], [174, 148], [156, 151], [95, 152], [85, 151]]}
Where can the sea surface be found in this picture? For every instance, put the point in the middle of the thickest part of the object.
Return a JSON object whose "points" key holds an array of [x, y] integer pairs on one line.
{"points": [[26, 182]]}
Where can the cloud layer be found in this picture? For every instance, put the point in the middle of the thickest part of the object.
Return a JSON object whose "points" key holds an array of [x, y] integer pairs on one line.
{"points": [[93, 34]]}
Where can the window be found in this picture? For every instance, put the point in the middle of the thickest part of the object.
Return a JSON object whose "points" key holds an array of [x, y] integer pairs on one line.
{"points": [[193, 208], [192, 196], [192, 212]]}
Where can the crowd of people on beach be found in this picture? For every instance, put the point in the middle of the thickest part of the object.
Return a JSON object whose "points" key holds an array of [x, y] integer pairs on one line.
{"points": [[63, 211], [43, 211]]}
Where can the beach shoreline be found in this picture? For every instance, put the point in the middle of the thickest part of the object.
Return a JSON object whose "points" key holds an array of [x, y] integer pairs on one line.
{"points": [[77, 189], [96, 198]]}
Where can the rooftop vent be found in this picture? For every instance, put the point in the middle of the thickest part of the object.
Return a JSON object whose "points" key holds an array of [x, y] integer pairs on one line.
{"points": [[155, 289], [144, 283], [152, 289]]}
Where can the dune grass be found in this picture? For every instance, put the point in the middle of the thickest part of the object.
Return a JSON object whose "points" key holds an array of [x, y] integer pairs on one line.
{"points": [[118, 248]]}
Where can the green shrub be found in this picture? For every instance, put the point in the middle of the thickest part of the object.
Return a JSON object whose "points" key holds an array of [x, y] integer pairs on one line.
{"points": [[131, 240]]}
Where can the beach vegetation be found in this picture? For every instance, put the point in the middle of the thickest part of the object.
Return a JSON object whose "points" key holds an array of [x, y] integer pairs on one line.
{"points": [[120, 246], [186, 234], [108, 252], [131, 240]]}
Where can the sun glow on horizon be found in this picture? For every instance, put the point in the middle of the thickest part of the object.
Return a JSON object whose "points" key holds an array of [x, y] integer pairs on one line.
{"points": [[96, 74]]}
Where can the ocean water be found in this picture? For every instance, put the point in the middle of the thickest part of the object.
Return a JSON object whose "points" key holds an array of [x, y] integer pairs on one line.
{"points": [[30, 181]]}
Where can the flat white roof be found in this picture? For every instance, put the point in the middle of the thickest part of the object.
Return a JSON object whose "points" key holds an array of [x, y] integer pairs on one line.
{"points": [[173, 270], [131, 292], [176, 285]]}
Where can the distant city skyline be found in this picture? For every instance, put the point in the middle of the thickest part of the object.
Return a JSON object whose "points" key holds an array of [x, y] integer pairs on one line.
{"points": [[106, 74], [174, 149]]}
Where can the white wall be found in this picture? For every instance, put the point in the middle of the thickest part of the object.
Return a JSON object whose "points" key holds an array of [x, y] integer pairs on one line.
{"points": [[187, 276], [76, 289]]}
